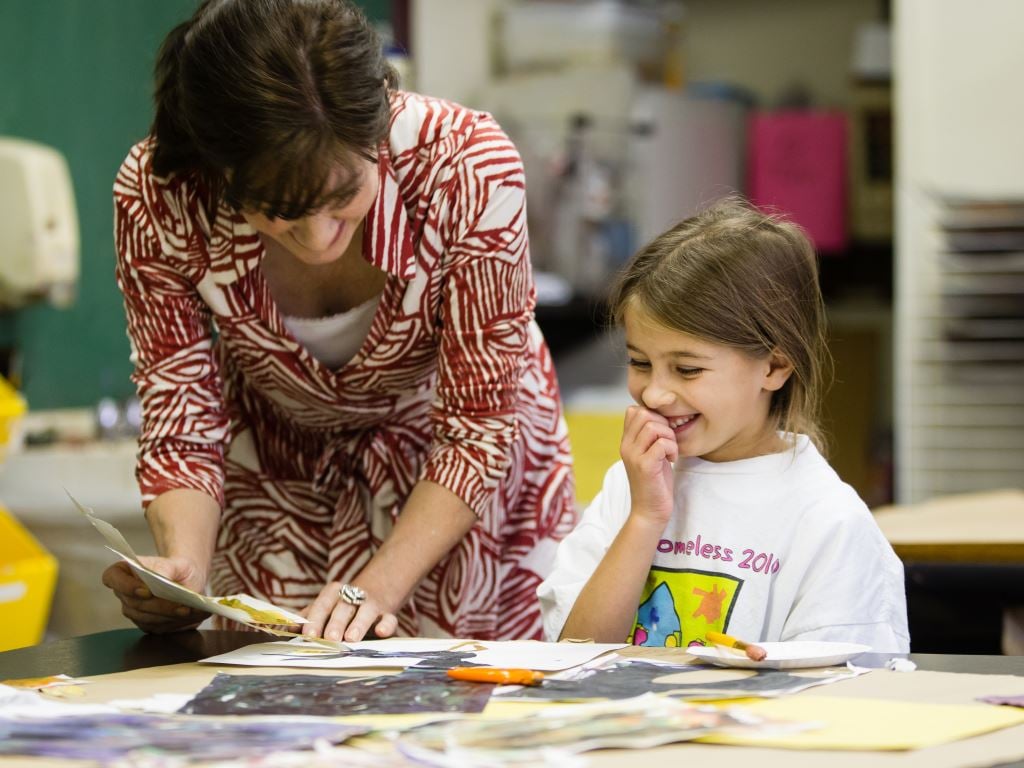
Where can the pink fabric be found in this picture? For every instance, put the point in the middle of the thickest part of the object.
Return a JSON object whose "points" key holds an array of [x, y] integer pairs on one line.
{"points": [[453, 383]]}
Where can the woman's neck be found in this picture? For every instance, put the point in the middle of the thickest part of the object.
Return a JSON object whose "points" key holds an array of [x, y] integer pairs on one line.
{"points": [[319, 290]]}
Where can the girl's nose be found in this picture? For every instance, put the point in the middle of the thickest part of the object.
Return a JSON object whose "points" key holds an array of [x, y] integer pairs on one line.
{"points": [[656, 396]]}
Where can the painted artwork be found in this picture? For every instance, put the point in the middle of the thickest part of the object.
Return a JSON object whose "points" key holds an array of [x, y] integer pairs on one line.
{"points": [[624, 679], [334, 696], [110, 737]]}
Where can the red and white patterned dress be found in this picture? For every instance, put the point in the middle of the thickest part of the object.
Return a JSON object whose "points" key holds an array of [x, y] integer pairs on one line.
{"points": [[453, 383]]}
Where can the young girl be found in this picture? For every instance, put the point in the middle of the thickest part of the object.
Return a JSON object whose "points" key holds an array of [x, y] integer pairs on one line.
{"points": [[722, 514]]}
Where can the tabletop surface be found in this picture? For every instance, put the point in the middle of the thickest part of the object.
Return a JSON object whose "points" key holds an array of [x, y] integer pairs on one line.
{"points": [[120, 650], [143, 663]]}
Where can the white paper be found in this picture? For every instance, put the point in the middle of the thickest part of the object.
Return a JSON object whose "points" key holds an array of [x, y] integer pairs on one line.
{"points": [[157, 704], [17, 703], [526, 654], [306, 655]]}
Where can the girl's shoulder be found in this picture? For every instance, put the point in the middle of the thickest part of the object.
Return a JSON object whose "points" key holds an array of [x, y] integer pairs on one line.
{"points": [[825, 498]]}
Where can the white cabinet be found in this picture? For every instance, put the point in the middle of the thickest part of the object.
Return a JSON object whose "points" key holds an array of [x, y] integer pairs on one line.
{"points": [[960, 246]]}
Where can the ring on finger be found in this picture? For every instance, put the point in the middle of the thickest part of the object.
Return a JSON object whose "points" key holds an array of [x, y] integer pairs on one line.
{"points": [[352, 594]]}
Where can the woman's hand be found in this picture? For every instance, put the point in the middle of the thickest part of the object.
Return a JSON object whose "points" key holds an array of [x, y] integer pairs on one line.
{"points": [[335, 619], [154, 614], [432, 521], [648, 449]]}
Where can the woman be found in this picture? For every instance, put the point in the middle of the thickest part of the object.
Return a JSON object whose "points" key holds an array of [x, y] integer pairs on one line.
{"points": [[348, 409]]}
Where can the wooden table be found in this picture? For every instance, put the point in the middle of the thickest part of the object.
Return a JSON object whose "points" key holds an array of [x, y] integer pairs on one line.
{"points": [[980, 528], [964, 557], [133, 664]]}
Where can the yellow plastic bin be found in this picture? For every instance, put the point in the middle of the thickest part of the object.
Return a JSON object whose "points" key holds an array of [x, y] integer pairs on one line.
{"points": [[12, 408], [28, 575], [595, 436]]}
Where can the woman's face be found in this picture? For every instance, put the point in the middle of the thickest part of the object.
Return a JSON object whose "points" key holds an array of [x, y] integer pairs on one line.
{"points": [[322, 236]]}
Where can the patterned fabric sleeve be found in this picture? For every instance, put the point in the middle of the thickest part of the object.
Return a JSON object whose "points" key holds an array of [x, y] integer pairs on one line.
{"points": [[183, 425], [486, 309]]}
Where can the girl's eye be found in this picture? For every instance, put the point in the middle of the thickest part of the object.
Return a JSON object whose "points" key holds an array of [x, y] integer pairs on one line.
{"points": [[688, 371], [634, 363]]}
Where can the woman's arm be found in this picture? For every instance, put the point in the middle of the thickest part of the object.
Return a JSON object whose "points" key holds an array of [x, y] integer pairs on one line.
{"points": [[184, 526], [184, 427], [432, 522]]}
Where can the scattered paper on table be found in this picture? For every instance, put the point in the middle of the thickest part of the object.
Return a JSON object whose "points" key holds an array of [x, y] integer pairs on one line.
{"points": [[39, 683], [109, 737], [439, 653], [637, 723], [1009, 701]]}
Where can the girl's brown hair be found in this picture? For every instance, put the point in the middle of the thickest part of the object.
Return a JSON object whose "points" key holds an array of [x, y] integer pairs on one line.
{"points": [[735, 276], [265, 98]]}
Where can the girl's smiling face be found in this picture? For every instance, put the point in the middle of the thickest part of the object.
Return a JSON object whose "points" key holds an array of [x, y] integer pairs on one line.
{"points": [[715, 398], [322, 236]]}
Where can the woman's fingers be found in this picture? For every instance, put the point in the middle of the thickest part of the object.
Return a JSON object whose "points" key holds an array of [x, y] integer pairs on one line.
{"points": [[319, 612], [122, 580], [149, 613], [158, 622], [387, 626], [333, 618], [337, 627], [368, 615]]}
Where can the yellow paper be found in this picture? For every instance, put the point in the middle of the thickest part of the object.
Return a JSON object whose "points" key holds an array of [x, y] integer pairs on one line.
{"points": [[871, 724]]}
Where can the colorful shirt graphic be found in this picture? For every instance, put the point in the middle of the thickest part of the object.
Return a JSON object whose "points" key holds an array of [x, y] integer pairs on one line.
{"points": [[679, 606]]}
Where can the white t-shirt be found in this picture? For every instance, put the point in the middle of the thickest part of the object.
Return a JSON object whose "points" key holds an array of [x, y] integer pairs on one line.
{"points": [[771, 548]]}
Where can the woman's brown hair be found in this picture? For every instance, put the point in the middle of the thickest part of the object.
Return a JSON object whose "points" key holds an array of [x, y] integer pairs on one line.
{"points": [[265, 98], [735, 276]]}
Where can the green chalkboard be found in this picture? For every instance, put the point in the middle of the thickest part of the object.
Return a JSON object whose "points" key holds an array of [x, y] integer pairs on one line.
{"points": [[76, 75]]}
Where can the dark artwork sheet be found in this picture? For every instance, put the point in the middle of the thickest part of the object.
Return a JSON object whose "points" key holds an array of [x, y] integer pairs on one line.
{"points": [[337, 696], [1009, 701], [106, 738], [625, 679]]}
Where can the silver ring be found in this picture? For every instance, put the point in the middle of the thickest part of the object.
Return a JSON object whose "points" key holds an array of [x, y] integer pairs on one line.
{"points": [[352, 594]]}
